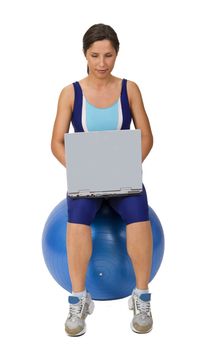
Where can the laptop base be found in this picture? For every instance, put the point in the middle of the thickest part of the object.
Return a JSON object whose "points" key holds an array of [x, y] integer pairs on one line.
{"points": [[104, 194]]}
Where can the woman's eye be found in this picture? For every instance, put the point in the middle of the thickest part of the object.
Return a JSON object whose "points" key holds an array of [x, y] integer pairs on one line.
{"points": [[94, 56]]}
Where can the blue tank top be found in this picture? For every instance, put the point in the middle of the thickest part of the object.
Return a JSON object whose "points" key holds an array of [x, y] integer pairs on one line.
{"points": [[86, 117]]}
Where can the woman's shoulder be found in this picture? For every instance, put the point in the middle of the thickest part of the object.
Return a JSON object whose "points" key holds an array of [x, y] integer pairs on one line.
{"points": [[67, 90], [132, 89], [132, 84], [67, 95]]}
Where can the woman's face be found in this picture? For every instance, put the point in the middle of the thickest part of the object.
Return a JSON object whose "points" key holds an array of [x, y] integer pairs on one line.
{"points": [[101, 57]]}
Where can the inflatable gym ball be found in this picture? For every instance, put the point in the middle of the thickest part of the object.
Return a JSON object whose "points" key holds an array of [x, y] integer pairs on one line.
{"points": [[110, 273]]}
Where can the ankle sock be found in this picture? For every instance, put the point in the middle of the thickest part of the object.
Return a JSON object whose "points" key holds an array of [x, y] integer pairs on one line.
{"points": [[141, 291], [79, 294]]}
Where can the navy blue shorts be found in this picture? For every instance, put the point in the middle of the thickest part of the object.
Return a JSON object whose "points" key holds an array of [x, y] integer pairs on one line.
{"points": [[133, 208]]}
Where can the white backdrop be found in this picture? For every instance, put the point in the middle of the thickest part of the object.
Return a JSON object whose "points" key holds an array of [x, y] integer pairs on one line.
{"points": [[41, 52]]}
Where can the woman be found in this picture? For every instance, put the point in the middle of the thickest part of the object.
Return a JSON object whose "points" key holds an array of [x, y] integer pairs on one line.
{"points": [[99, 92]]}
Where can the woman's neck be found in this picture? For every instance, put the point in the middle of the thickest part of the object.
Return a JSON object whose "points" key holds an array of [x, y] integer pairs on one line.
{"points": [[97, 83]]}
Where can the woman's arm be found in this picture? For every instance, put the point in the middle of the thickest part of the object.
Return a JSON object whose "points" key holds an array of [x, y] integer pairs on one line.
{"points": [[140, 117], [62, 123]]}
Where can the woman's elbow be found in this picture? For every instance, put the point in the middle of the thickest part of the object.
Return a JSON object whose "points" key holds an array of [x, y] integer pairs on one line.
{"points": [[148, 139], [55, 145], [52, 146], [151, 141]]}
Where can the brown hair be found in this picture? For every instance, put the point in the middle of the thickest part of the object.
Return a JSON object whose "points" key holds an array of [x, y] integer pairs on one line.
{"points": [[100, 32]]}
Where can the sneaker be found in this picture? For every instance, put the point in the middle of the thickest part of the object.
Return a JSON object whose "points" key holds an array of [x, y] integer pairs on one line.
{"points": [[78, 311], [142, 321]]}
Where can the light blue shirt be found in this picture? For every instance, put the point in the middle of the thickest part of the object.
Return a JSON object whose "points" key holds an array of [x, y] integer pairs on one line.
{"points": [[98, 119]]}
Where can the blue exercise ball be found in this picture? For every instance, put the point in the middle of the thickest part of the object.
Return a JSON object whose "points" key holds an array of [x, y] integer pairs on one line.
{"points": [[110, 273]]}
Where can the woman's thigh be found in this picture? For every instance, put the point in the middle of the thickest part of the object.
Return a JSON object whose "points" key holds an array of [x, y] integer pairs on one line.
{"points": [[133, 208], [83, 210]]}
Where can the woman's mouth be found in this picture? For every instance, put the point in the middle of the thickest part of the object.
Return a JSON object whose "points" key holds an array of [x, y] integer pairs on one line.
{"points": [[102, 71]]}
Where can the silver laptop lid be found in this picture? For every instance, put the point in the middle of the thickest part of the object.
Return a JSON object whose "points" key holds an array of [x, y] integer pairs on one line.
{"points": [[103, 163]]}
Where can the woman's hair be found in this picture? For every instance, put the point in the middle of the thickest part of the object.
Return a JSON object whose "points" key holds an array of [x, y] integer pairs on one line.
{"points": [[100, 32]]}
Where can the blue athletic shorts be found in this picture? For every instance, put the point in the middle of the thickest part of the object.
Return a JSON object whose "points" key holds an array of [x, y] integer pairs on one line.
{"points": [[132, 208]]}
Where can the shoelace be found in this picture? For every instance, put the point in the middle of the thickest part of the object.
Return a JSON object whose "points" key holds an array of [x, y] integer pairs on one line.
{"points": [[75, 309], [143, 306]]}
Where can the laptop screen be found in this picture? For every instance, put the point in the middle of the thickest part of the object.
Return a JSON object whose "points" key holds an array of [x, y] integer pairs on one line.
{"points": [[101, 163]]}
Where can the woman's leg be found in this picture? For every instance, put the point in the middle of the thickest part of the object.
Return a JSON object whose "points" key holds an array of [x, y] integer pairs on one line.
{"points": [[135, 213], [79, 251], [139, 248], [81, 213]]}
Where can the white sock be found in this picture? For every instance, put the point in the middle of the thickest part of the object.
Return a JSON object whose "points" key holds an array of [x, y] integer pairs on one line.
{"points": [[141, 291], [79, 294]]}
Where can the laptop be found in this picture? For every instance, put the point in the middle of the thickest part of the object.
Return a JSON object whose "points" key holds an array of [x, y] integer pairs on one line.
{"points": [[103, 163]]}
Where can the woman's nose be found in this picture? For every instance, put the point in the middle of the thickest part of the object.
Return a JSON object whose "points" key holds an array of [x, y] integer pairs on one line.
{"points": [[101, 62]]}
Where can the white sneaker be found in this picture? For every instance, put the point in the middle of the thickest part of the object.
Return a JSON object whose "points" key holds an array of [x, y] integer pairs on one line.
{"points": [[140, 304], [79, 309]]}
